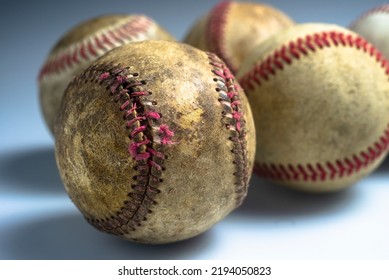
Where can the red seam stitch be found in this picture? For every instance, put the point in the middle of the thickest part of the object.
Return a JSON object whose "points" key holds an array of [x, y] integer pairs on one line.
{"points": [[233, 117], [83, 53], [91, 48], [214, 32], [333, 170], [58, 63], [140, 121], [112, 34], [384, 8], [261, 71], [99, 43], [294, 50]]}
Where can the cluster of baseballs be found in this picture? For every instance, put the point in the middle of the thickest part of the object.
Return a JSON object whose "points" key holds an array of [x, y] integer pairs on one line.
{"points": [[156, 140]]}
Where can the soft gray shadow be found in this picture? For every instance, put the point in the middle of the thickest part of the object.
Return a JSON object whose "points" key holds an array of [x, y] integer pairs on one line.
{"points": [[268, 200], [383, 169], [71, 237], [32, 171]]}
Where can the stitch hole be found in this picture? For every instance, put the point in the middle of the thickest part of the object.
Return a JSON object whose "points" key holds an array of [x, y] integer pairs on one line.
{"points": [[218, 89], [134, 177], [143, 82], [135, 74], [161, 181], [215, 80], [163, 168], [149, 92], [154, 102]]}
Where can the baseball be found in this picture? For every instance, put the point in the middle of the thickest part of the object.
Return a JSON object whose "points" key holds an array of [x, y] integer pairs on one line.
{"points": [[320, 100], [155, 146], [374, 25], [232, 29], [82, 45]]}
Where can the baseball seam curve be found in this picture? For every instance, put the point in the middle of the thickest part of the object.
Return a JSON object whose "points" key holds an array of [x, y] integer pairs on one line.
{"points": [[214, 33], [148, 136], [233, 117], [285, 55], [91, 47], [382, 9]]}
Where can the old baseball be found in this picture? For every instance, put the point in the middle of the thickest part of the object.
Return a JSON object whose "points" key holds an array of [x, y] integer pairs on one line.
{"points": [[82, 45], [320, 99], [374, 27], [232, 29], [155, 146]]}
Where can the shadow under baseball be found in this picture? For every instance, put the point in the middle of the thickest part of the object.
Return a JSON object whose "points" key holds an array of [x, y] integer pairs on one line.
{"points": [[71, 237], [30, 171], [268, 200], [383, 169]]}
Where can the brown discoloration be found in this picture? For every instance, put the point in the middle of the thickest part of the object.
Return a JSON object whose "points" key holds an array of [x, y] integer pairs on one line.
{"points": [[53, 84], [199, 184], [235, 34]]}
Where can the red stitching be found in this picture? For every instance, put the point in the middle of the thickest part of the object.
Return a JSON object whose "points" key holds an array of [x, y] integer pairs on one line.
{"points": [[87, 49], [285, 55], [214, 32], [83, 53], [114, 36], [302, 47], [340, 168], [99, 43], [92, 49], [141, 121], [384, 8], [233, 117]]}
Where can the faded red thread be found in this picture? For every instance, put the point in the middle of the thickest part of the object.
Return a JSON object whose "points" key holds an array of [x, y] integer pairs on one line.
{"points": [[214, 33], [233, 116], [87, 49], [143, 123], [263, 70], [166, 134], [384, 8], [331, 170]]}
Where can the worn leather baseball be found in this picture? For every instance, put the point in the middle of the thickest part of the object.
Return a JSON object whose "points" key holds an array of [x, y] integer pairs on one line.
{"points": [[155, 142], [320, 100], [373, 25], [82, 45], [232, 29]]}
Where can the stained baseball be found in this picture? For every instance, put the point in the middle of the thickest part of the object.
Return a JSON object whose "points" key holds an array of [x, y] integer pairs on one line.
{"points": [[374, 26], [232, 29], [155, 146], [320, 99], [83, 44]]}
